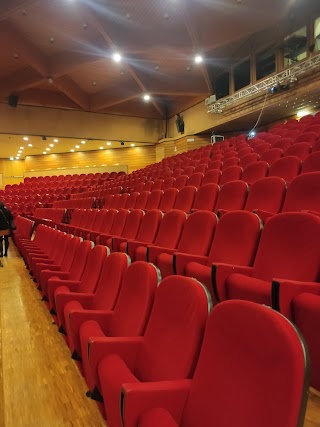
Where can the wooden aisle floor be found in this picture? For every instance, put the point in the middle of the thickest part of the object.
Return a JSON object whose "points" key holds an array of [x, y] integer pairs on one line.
{"points": [[40, 384]]}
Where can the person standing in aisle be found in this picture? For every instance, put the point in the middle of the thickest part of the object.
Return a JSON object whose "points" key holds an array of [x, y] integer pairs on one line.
{"points": [[6, 219]]}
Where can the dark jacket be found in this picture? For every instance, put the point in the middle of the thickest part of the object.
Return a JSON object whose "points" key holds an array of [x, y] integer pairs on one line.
{"points": [[5, 218]]}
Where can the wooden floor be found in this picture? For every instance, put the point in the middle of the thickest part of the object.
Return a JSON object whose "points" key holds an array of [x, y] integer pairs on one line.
{"points": [[40, 384]]}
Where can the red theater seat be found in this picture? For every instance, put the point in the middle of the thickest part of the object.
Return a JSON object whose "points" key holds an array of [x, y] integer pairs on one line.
{"points": [[167, 351], [243, 341]]}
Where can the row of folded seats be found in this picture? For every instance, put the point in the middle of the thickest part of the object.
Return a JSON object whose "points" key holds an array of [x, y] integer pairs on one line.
{"points": [[266, 196], [249, 169], [153, 353]]}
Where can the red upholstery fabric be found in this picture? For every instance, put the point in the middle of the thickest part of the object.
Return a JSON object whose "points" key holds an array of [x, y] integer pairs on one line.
{"points": [[169, 348], [248, 159], [235, 242], [232, 196], [303, 193], [255, 171], [87, 283], [286, 239], [230, 174], [77, 264], [243, 341], [196, 238], [262, 148], [169, 233], [233, 161], [311, 163], [105, 226], [117, 226], [301, 150], [206, 197], [287, 168], [147, 233], [81, 306], [130, 229], [185, 198], [168, 183], [266, 196], [154, 199], [283, 143], [272, 155], [306, 309], [141, 200], [212, 176], [168, 199], [129, 318], [195, 179]]}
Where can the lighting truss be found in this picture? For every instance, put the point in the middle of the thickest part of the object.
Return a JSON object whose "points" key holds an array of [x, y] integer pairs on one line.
{"points": [[287, 76]]}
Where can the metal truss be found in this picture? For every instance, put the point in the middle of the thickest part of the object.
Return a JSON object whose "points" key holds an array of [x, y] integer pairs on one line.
{"points": [[285, 77]]}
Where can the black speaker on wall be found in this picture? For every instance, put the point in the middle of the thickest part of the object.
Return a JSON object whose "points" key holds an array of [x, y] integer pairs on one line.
{"points": [[13, 100]]}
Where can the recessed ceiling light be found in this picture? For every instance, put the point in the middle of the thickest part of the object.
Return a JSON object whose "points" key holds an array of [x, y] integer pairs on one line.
{"points": [[44, 152], [83, 142], [51, 145], [117, 57], [48, 149], [17, 158], [72, 150], [146, 97], [198, 59], [20, 151], [21, 148], [132, 145], [29, 145], [77, 146], [108, 143], [26, 138], [101, 148], [56, 140]]}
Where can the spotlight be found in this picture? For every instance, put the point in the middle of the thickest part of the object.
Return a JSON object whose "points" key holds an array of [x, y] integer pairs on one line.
{"points": [[117, 57], [146, 97], [273, 89], [198, 59], [121, 143]]}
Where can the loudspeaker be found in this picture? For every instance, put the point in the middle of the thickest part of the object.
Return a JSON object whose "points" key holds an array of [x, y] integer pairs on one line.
{"points": [[13, 100]]}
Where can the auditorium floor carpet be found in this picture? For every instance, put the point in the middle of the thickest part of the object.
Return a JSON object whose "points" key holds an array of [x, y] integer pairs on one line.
{"points": [[40, 384]]}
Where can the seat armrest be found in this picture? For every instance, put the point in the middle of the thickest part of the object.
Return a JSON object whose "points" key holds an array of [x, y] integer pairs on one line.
{"points": [[154, 251], [137, 398], [284, 291], [220, 273], [180, 260]]}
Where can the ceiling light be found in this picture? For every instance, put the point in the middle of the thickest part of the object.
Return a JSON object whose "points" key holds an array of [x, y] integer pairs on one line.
{"points": [[29, 145], [117, 57], [51, 145], [21, 148], [18, 155], [44, 152], [302, 113], [26, 138], [77, 146], [72, 150], [101, 148], [146, 97], [132, 145], [108, 143], [20, 151], [83, 142], [17, 158], [198, 59], [56, 140], [48, 149]]}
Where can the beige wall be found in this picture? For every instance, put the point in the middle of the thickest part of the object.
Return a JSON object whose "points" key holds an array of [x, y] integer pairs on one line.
{"points": [[134, 158], [12, 171], [77, 124]]}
